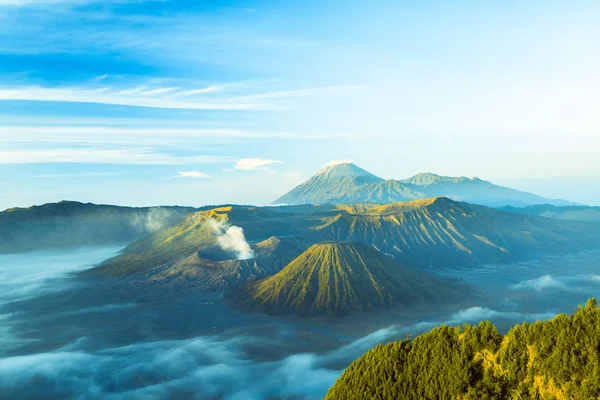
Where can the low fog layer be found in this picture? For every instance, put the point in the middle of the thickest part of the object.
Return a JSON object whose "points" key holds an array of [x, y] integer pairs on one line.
{"points": [[226, 365], [205, 367], [577, 283]]}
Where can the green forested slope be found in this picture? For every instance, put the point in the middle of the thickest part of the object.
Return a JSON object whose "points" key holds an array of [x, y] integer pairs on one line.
{"points": [[556, 359]]}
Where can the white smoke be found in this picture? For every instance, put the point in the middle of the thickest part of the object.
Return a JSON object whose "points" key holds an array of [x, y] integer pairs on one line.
{"points": [[231, 238], [156, 219], [153, 220]]}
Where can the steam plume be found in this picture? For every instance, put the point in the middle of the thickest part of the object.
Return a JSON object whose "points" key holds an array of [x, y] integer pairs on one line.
{"points": [[231, 238]]}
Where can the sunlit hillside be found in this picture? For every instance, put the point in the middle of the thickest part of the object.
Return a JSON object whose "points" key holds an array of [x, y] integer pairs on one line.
{"points": [[557, 359]]}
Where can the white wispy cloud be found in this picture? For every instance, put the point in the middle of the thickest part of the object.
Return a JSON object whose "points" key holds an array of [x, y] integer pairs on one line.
{"points": [[140, 96], [90, 133], [304, 92], [154, 92], [100, 78], [193, 174], [193, 92], [128, 92], [255, 163], [170, 97], [104, 156]]}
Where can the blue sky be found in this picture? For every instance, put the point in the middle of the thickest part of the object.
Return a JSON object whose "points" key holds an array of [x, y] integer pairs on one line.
{"points": [[188, 102]]}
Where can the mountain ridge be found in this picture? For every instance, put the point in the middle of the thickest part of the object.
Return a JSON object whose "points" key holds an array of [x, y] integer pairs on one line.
{"points": [[427, 233], [348, 183], [69, 224], [342, 278]]}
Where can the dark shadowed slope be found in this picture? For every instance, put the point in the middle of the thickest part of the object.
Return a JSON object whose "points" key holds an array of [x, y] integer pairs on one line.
{"points": [[343, 278], [71, 224], [347, 183]]}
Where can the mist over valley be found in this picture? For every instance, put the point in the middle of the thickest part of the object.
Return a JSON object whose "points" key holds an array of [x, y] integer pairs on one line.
{"points": [[249, 302]]}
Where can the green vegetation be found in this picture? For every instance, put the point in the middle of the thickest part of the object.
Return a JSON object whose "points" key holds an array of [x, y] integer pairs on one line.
{"points": [[343, 278], [557, 359], [347, 183], [71, 224]]}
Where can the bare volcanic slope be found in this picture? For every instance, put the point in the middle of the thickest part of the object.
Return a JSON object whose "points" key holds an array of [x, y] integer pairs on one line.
{"points": [[430, 233], [343, 278], [348, 183], [441, 232], [211, 252], [225, 274]]}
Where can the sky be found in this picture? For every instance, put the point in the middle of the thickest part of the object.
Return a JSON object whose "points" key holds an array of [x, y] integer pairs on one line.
{"points": [[193, 103]]}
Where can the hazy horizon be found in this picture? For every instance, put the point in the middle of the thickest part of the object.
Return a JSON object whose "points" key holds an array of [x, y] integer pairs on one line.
{"points": [[565, 188], [144, 102], [545, 187]]}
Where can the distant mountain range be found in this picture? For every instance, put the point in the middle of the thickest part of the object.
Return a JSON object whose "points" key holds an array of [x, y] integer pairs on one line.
{"points": [[576, 213], [348, 183], [426, 234], [70, 224], [340, 278]]}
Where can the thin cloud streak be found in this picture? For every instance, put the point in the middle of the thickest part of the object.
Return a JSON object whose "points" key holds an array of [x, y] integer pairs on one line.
{"points": [[255, 163], [193, 92], [121, 98], [103, 156], [192, 174], [317, 91], [154, 92], [172, 97], [112, 134]]}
